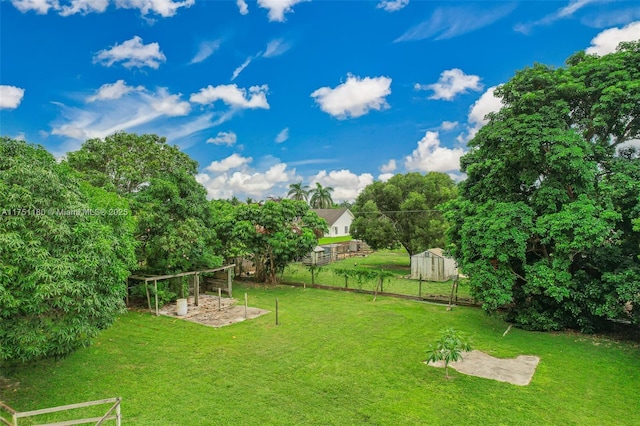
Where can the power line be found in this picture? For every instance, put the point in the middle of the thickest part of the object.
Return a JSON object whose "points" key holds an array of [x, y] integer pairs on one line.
{"points": [[398, 211]]}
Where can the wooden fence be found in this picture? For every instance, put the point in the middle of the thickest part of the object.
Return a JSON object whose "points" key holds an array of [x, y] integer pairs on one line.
{"points": [[112, 414]]}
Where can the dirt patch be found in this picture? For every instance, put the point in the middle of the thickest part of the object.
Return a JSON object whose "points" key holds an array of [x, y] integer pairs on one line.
{"points": [[213, 312], [517, 371]]}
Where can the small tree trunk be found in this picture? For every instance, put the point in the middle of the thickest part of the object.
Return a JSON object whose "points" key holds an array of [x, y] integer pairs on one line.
{"points": [[375, 292]]}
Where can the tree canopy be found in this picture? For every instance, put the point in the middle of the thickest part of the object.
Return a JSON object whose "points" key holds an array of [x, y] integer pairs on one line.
{"points": [[544, 223], [275, 234], [66, 249], [321, 197], [125, 162], [298, 192], [174, 228], [403, 210]]}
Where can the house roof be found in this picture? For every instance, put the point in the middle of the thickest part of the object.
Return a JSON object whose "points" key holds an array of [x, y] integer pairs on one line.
{"points": [[330, 215]]}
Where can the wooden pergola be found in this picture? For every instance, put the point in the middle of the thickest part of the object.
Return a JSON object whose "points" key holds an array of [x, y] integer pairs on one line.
{"points": [[196, 282]]}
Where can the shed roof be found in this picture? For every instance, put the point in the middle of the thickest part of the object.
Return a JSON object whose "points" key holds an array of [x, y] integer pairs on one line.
{"points": [[330, 215], [435, 251]]}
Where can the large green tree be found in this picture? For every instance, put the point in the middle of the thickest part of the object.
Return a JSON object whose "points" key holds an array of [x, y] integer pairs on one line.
{"points": [[544, 224], [66, 249], [276, 233], [125, 162], [403, 210], [174, 227]]}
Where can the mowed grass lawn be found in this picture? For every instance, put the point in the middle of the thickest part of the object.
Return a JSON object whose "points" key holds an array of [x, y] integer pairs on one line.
{"points": [[395, 261], [336, 359]]}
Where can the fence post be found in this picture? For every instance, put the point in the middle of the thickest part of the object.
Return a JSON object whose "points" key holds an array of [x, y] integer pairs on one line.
{"points": [[118, 414], [420, 287], [219, 299]]}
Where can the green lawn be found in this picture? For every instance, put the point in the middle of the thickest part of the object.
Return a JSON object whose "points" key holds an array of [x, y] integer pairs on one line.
{"points": [[333, 240], [337, 358], [396, 261]]}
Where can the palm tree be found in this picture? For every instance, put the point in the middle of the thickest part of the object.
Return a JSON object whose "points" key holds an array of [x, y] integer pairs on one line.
{"points": [[321, 197], [298, 192]]}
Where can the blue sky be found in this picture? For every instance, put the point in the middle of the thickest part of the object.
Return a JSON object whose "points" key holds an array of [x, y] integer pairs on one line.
{"points": [[264, 94]]}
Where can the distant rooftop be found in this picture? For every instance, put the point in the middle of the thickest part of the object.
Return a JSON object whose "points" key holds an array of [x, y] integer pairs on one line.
{"points": [[330, 215]]}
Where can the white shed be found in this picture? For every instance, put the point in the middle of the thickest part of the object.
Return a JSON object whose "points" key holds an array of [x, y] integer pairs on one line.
{"points": [[433, 265]]}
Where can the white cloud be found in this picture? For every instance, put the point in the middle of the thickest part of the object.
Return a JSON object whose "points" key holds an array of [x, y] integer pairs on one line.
{"points": [[389, 167], [41, 7], [233, 96], [486, 104], [275, 48], [309, 161], [132, 53], [633, 143], [451, 83], [206, 49], [346, 184], [449, 22], [224, 138], [385, 177], [448, 125], [10, 96], [248, 182], [283, 135], [231, 162], [164, 8], [84, 7], [564, 12], [113, 91], [277, 8], [136, 110], [607, 41], [606, 19], [430, 156], [392, 5], [241, 68], [242, 7], [170, 105], [355, 97], [182, 133]]}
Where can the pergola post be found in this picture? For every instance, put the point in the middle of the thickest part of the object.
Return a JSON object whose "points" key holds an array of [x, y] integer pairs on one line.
{"points": [[155, 285], [146, 287], [229, 281], [196, 288]]}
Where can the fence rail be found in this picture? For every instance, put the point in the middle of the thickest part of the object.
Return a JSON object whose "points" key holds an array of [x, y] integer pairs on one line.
{"points": [[109, 415]]}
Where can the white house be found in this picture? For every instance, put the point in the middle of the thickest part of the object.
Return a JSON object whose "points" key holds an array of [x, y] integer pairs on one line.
{"points": [[433, 265], [338, 220]]}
